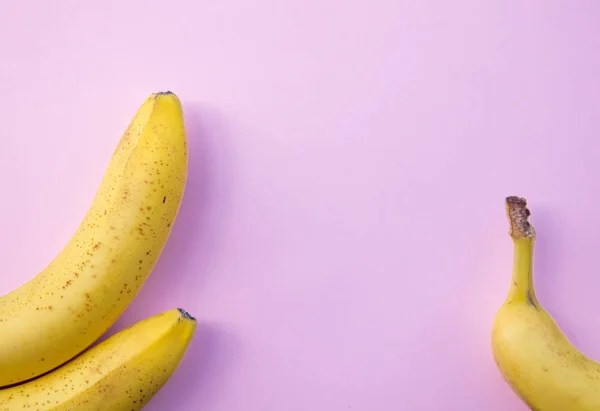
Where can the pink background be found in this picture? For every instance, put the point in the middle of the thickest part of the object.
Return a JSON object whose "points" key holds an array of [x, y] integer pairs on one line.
{"points": [[343, 239]]}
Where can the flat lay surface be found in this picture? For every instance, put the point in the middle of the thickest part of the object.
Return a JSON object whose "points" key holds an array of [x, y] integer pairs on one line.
{"points": [[342, 240]]}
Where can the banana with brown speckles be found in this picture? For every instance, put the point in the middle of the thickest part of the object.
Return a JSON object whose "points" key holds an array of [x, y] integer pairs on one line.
{"points": [[533, 354], [122, 373], [82, 292]]}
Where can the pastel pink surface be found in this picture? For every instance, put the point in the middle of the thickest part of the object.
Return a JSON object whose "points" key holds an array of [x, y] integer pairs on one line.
{"points": [[342, 239]]}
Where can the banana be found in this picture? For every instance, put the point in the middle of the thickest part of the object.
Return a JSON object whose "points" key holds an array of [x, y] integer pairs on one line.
{"points": [[122, 373], [85, 288], [532, 353]]}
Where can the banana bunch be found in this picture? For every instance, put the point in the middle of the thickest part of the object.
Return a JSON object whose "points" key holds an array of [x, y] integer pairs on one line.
{"points": [[46, 324], [532, 353]]}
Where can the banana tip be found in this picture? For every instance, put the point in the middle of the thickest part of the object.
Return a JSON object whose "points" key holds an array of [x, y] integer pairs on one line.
{"points": [[518, 217], [186, 315]]}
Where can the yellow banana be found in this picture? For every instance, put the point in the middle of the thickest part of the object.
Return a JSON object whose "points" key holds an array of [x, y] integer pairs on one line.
{"points": [[122, 373], [83, 291], [536, 359]]}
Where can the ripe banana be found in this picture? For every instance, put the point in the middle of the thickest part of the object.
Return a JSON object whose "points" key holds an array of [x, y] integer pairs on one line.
{"points": [[533, 355], [91, 281], [122, 373]]}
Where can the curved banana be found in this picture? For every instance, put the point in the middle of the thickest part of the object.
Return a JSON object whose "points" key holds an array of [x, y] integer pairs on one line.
{"points": [[83, 291], [534, 356], [122, 373]]}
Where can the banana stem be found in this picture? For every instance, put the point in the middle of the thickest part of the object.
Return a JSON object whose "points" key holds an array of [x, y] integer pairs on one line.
{"points": [[523, 235]]}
